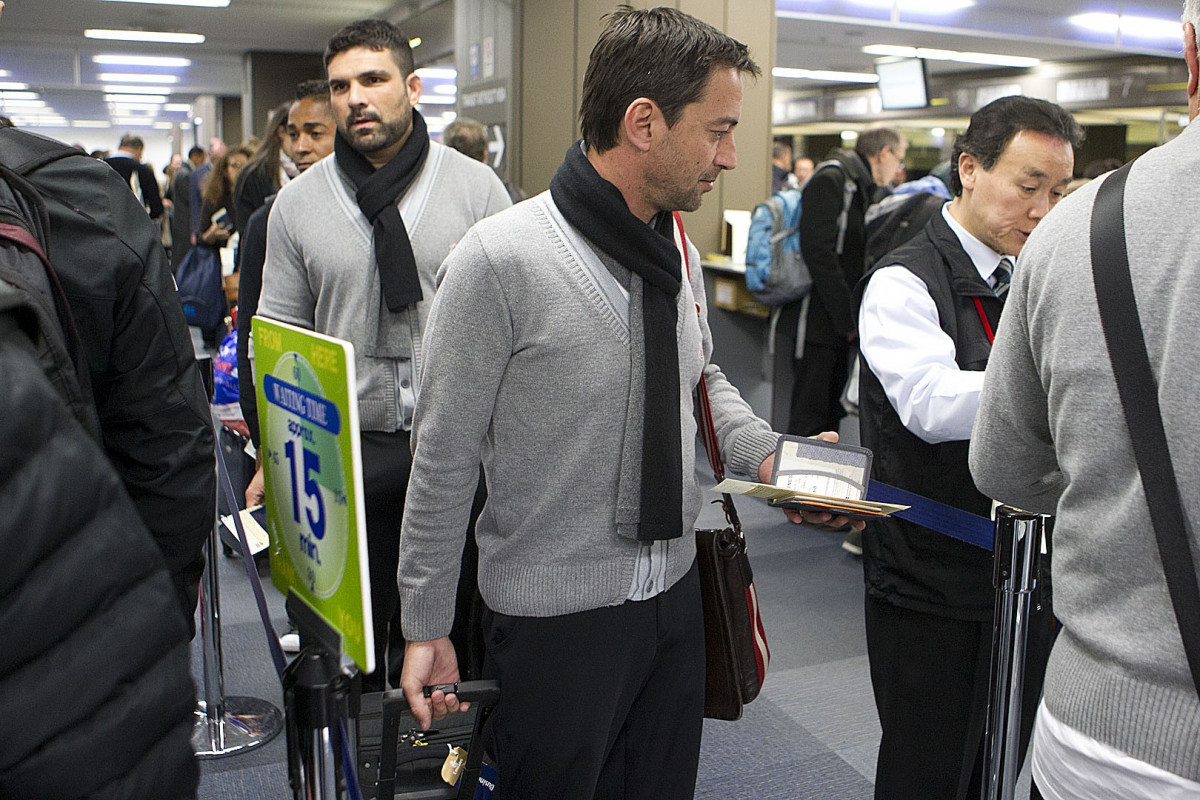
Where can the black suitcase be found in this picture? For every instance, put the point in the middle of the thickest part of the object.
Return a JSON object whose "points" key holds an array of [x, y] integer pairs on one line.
{"points": [[396, 760]]}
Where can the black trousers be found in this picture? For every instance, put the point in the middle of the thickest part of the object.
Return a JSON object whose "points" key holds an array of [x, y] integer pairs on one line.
{"points": [[930, 675], [387, 464], [817, 392], [606, 703]]}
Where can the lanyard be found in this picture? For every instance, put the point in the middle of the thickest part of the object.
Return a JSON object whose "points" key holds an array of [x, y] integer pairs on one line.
{"points": [[987, 326]]}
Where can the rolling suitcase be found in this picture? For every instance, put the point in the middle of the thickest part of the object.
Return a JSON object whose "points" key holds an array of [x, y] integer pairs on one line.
{"points": [[397, 760]]}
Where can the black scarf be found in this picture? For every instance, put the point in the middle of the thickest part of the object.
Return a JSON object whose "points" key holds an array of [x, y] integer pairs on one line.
{"points": [[378, 191], [598, 210]]}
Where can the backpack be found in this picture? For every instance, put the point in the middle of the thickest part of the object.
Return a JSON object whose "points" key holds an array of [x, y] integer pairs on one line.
{"points": [[200, 288], [32, 297], [775, 270], [895, 220]]}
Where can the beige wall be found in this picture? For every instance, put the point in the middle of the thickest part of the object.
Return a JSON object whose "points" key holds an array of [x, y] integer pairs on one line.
{"points": [[556, 38]]}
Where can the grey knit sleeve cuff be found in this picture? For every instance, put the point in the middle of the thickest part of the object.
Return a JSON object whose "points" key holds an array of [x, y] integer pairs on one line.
{"points": [[750, 447], [424, 618]]}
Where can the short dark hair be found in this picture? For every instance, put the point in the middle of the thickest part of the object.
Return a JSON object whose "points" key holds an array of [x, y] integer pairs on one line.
{"points": [[781, 149], [317, 88], [197, 151], [1099, 166], [5, 122], [373, 34], [994, 126], [872, 140], [468, 137], [132, 142], [659, 53]]}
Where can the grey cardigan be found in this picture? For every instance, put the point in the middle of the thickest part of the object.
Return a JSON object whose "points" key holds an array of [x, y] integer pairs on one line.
{"points": [[528, 367], [1050, 436], [320, 269]]}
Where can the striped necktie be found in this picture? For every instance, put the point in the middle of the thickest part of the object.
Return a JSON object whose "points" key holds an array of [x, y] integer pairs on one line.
{"points": [[1002, 276]]}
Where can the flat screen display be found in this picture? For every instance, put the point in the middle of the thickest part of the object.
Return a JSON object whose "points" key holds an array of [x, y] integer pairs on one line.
{"points": [[902, 83]]}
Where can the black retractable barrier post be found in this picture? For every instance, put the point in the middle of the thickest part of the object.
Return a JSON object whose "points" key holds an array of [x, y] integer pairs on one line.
{"points": [[1017, 548], [320, 698], [224, 725]]}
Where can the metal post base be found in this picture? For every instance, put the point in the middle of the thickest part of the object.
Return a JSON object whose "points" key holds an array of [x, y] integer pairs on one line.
{"points": [[246, 723]]}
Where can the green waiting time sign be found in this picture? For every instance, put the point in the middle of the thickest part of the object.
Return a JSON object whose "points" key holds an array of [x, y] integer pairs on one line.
{"points": [[308, 415]]}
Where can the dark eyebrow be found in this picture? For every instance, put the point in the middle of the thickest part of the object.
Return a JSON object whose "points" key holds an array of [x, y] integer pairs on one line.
{"points": [[730, 121]]}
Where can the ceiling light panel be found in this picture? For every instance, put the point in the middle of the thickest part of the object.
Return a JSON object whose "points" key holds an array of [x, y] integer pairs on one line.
{"points": [[161, 37], [134, 99], [13, 86], [141, 61], [156, 91], [135, 77], [195, 3], [825, 75], [933, 54], [1128, 25]]}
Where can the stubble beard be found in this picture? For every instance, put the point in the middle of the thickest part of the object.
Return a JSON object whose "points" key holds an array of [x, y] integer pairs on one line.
{"points": [[380, 138]]}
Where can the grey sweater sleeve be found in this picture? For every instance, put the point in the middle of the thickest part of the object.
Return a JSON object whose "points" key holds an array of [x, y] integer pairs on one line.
{"points": [[286, 293], [745, 439], [1012, 453], [468, 341]]}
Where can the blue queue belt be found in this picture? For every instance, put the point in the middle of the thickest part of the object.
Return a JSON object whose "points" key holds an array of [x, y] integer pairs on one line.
{"points": [[939, 517]]}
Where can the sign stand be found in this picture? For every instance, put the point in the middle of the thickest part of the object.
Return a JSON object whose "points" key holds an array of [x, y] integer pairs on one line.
{"points": [[308, 413]]}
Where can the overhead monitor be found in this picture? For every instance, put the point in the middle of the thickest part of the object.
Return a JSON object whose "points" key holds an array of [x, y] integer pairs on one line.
{"points": [[902, 83]]}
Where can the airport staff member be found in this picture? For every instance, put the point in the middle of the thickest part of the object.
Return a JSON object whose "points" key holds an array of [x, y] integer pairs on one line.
{"points": [[925, 322]]}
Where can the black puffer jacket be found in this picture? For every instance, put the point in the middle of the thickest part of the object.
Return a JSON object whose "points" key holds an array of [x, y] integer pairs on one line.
{"points": [[96, 698], [153, 412]]}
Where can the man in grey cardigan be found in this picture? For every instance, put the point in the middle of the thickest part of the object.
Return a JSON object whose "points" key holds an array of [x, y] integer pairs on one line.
{"points": [[562, 349], [353, 245], [1120, 717]]}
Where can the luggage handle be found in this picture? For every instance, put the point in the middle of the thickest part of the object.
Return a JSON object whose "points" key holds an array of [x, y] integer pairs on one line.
{"points": [[485, 693]]}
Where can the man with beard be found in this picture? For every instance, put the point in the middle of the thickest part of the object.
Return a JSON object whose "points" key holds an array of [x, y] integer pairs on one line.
{"points": [[564, 345], [353, 245]]}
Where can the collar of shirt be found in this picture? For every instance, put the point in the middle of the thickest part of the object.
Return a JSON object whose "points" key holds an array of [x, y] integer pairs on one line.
{"points": [[983, 257]]}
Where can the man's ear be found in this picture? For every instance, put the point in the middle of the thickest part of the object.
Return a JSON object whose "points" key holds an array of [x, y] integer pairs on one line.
{"points": [[1190, 56], [639, 122], [413, 84], [968, 167]]}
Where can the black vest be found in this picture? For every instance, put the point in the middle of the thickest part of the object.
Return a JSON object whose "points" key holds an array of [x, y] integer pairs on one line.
{"points": [[906, 564]]}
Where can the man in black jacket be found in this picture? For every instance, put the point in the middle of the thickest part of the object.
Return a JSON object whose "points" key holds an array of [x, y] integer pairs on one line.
{"points": [[154, 416], [127, 161], [96, 699], [926, 318], [833, 242]]}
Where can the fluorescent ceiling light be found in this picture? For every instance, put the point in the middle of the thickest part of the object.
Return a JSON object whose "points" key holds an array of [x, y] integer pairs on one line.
{"points": [[1137, 27], [135, 77], [445, 88], [141, 61], [19, 95], [414, 42], [12, 86], [449, 116], [134, 99], [156, 91], [4, 73], [825, 75], [437, 100], [197, 3], [92, 123], [133, 123], [437, 72], [177, 107], [163, 37], [22, 103], [933, 54], [920, 6], [164, 126]]}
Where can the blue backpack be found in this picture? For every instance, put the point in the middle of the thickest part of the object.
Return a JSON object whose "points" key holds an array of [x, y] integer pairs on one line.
{"points": [[775, 270]]}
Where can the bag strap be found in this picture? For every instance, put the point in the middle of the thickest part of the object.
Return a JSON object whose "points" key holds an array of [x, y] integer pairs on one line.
{"points": [[1138, 392], [708, 431]]}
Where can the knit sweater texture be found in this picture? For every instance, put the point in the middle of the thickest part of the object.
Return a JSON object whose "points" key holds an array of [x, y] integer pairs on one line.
{"points": [[1050, 436], [528, 369], [320, 271]]}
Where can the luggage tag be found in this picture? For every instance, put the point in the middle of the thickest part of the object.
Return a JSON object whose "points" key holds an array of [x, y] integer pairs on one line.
{"points": [[456, 762]]}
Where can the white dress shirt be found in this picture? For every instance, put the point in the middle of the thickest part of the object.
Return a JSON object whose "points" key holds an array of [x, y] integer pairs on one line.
{"points": [[906, 348]]}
